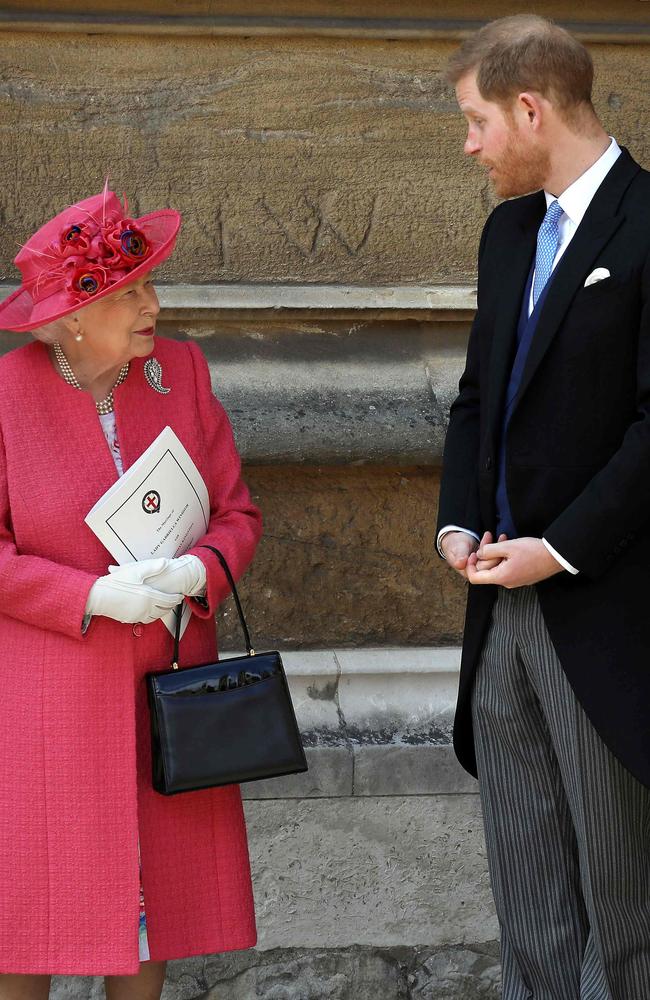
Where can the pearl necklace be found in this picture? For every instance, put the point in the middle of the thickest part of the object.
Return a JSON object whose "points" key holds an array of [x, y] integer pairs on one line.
{"points": [[104, 405]]}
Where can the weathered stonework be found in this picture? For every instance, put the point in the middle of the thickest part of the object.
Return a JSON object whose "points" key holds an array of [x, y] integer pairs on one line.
{"points": [[291, 159], [322, 392], [410, 871], [458, 14], [465, 972], [348, 559]]}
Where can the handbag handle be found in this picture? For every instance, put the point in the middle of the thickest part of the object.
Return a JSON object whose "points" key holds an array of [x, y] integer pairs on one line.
{"points": [[229, 576]]}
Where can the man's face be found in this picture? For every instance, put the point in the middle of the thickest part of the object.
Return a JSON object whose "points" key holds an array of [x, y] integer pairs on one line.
{"points": [[516, 162]]}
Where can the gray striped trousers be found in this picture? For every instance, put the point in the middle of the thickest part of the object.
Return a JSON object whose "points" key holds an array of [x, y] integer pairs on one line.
{"points": [[567, 827]]}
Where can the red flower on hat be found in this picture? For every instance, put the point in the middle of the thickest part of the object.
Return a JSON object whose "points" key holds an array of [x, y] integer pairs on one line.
{"points": [[85, 279], [95, 257], [104, 254], [125, 239], [75, 239]]}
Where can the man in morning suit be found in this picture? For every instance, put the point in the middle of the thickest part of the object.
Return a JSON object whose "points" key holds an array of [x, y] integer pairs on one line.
{"points": [[545, 510]]}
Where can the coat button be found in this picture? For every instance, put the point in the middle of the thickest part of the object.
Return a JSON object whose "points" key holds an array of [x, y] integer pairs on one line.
{"points": [[137, 631]]}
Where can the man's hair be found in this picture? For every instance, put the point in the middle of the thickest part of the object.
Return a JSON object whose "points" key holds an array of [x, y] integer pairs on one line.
{"points": [[527, 53]]}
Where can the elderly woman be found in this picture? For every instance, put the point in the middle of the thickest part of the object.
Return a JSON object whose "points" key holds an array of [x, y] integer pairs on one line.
{"points": [[99, 874]]}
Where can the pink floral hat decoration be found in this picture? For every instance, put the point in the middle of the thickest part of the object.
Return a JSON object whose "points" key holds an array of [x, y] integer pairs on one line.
{"points": [[84, 253]]}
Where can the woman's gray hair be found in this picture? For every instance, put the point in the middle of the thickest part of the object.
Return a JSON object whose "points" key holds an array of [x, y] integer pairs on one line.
{"points": [[51, 332]]}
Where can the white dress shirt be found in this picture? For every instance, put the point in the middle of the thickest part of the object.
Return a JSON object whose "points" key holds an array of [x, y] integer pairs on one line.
{"points": [[574, 202]]}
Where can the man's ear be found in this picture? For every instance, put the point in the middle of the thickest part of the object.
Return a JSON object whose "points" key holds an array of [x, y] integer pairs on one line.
{"points": [[531, 107]]}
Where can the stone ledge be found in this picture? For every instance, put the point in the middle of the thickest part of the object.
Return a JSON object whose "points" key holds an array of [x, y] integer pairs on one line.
{"points": [[325, 299], [320, 298], [375, 722], [330, 775], [374, 696], [392, 770], [325, 401], [448, 29], [328, 391], [410, 770]]}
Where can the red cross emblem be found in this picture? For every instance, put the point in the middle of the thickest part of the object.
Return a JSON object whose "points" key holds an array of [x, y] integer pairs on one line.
{"points": [[151, 502]]}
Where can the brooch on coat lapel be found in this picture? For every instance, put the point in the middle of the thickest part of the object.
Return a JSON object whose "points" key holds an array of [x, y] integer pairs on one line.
{"points": [[153, 375]]}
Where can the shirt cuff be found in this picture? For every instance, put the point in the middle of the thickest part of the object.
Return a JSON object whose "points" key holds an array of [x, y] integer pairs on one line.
{"points": [[563, 563], [445, 531]]}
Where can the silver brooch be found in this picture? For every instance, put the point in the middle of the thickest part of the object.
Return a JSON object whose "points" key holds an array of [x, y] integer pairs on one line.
{"points": [[153, 375]]}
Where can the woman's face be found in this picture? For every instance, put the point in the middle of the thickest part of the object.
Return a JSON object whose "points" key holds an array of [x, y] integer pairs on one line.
{"points": [[119, 327]]}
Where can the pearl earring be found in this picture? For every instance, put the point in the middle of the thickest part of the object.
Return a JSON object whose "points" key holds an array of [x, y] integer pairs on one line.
{"points": [[78, 337]]}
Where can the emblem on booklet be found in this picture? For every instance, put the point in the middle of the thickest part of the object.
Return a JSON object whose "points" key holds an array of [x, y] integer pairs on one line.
{"points": [[151, 502]]}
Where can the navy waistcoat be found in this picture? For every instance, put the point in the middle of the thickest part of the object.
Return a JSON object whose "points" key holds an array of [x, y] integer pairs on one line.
{"points": [[525, 333]]}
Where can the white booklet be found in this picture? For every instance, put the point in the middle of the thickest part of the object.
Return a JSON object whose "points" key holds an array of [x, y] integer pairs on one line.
{"points": [[159, 507]]}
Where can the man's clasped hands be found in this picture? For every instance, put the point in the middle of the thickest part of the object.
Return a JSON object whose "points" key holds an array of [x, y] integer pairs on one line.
{"points": [[516, 562]]}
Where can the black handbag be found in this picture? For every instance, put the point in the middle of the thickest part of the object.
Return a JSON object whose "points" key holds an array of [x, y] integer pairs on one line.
{"points": [[222, 723]]}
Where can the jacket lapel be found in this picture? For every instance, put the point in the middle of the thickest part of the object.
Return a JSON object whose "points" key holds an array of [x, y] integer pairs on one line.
{"points": [[601, 220], [139, 415], [518, 255]]}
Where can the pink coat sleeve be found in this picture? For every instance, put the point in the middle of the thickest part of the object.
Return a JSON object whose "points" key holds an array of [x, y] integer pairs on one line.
{"points": [[34, 590], [235, 522]]}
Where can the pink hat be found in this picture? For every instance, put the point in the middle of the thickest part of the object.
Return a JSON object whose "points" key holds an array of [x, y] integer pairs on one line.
{"points": [[84, 253]]}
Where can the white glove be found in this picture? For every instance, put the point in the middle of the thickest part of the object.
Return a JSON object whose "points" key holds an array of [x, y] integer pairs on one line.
{"points": [[125, 597], [185, 575]]}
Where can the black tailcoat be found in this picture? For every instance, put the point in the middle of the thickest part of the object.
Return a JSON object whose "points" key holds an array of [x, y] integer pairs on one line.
{"points": [[577, 450]]}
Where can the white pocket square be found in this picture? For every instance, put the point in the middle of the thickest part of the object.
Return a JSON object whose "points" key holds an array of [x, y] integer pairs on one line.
{"points": [[598, 275]]}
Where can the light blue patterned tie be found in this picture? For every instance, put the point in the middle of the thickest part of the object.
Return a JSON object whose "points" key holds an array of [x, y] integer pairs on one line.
{"points": [[548, 239]]}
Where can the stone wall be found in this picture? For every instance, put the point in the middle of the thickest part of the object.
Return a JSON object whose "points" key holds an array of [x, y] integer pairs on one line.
{"points": [[327, 267]]}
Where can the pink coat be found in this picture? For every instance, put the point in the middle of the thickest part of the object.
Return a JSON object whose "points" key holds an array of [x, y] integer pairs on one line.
{"points": [[75, 786]]}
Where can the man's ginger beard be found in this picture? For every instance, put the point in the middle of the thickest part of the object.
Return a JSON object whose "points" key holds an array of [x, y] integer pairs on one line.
{"points": [[519, 169]]}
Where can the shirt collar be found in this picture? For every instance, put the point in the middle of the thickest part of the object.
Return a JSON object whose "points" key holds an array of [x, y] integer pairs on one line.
{"points": [[575, 201]]}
